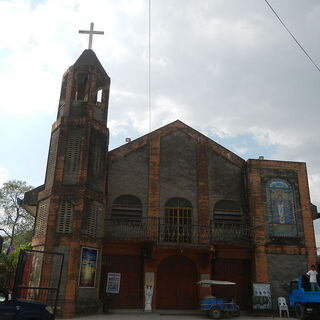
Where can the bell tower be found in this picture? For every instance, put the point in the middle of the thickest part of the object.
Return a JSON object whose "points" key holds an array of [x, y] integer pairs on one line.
{"points": [[71, 208]]}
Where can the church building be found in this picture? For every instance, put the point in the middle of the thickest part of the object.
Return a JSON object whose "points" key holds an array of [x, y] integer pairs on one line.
{"points": [[161, 212]]}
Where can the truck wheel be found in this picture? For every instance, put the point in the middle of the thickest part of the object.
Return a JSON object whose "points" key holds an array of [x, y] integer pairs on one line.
{"points": [[299, 311], [215, 313]]}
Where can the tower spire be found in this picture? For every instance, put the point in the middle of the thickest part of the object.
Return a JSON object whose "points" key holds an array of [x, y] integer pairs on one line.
{"points": [[91, 33]]}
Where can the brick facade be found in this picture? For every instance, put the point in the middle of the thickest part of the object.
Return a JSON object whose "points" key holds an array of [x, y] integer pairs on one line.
{"points": [[192, 200], [279, 260]]}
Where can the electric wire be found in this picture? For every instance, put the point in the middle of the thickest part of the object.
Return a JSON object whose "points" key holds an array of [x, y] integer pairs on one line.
{"points": [[293, 37], [149, 66]]}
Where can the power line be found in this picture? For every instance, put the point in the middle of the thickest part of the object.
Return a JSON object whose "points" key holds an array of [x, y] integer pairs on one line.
{"points": [[149, 67], [293, 37]]}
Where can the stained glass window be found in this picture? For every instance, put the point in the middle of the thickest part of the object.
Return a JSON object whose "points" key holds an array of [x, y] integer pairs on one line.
{"points": [[281, 209]]}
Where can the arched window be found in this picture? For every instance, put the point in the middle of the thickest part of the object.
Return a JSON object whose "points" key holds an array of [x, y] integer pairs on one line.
{"points": [[227, 212], [81, 93], [127, 207], [99, 91], [63, 91], [99, 97], [178, 220]]}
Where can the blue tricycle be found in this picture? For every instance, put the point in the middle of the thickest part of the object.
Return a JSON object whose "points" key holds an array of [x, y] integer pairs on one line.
{"points": [[217, 307]]}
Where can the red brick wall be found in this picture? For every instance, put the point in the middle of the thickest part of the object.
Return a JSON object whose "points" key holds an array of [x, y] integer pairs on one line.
{"points": [[256, 201]]}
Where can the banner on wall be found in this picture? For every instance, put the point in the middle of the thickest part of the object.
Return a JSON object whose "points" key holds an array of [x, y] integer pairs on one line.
{"points": [[113, 282], [261, 299], [88, 267]]}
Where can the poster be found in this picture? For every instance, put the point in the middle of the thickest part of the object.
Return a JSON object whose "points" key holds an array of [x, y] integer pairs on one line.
{"points": [[113, 282], [88, 267], [261, 299]]}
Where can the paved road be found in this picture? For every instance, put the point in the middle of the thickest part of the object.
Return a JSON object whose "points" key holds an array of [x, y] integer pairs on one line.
{"points": [[168, 316]]}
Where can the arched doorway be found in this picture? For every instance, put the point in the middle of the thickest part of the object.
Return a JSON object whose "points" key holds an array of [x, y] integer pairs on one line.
{"points": [[177, 284]]}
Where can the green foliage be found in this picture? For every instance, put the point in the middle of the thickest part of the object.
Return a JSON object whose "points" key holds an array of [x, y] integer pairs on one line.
{"points": [[11, 260], [16, 224], [8, 264], [23, 237]]}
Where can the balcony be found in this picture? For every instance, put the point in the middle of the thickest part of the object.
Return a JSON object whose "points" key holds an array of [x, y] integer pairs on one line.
{"points": [[228, 232], [154, 229]]}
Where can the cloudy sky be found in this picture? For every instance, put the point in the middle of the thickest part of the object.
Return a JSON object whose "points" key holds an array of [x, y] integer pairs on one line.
{"points": [[227, 68]]}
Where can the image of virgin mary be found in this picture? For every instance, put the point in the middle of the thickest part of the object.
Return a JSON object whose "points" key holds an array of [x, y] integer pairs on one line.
{"points": [[281, 202]]}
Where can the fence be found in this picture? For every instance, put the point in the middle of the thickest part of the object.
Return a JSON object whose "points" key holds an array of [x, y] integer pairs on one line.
{"points": [[38, 276]]}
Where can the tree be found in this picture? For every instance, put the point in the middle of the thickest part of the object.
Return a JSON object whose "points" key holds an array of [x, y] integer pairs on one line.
{"points": [[8, 264], [15, 222]]}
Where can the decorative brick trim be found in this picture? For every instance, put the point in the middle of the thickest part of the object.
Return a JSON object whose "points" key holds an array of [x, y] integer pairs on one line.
{"points": [[203, 188], [154, 176]]}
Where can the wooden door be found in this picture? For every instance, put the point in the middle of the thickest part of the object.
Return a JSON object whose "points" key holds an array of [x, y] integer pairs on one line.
{"points": [[237, 271], [130, 295], [177, 284]]}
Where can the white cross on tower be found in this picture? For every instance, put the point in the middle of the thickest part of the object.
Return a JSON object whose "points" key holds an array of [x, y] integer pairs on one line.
{"points": [[91, 32]]}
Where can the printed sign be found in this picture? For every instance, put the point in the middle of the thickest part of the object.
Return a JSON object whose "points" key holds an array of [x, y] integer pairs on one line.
{"points": [[261, 299], [113, 282]]}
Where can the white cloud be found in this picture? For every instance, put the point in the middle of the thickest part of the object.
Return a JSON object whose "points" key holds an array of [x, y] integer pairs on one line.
{"points": [[241, 150], [317, 236], [281, 137], [132, 7], [236, 31], [314, 183], [226, 68]]}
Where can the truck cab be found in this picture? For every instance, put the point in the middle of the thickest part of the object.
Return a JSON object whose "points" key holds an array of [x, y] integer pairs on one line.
{"points": [[16, 309]]}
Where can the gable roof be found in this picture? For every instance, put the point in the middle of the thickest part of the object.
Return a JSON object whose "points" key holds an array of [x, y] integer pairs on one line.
{"points": [[168, 129]]}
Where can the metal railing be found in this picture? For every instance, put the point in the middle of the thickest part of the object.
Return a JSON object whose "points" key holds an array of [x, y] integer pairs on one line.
{"points": [[230, 232], [155, 229]]}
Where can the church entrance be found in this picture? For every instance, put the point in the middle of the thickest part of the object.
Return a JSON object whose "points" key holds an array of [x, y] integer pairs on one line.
{"points": [[235, 270], [130, 294], [177, 284]]}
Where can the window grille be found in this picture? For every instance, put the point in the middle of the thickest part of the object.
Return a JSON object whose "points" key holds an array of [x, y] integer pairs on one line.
{"points": [[52, 158], [93, 223], [98, 157], [42, 218], [72, 156], [178, 221], [127, 207], [96, 166], [65, 215], [227, 212]]}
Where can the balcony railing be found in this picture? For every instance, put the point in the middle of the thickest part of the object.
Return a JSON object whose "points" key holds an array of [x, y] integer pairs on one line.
{"points": [[154, 229], [125, 229], [230, 232]]}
